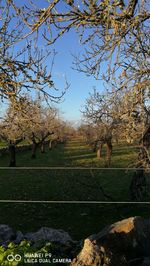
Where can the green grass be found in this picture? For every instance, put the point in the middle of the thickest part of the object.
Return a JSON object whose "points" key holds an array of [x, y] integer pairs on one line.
{"points": [[80, 220], [64, 184], [53, 157], [81, 154]]}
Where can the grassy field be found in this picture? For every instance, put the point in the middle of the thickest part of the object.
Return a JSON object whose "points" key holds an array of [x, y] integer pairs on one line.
{"points": [[80, 220]]}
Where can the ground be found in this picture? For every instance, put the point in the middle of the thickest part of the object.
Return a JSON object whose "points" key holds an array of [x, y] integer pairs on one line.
{"points": [[79, 219]]}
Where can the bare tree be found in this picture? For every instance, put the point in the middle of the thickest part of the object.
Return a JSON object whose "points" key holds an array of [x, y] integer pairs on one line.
{"points": [[40, 124], [27, 119], [101, 110], [23, 69], [12, 129], [112, 19]]}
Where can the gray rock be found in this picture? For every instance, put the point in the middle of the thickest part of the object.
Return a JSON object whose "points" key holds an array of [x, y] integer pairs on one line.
{"points": [[6, 233], [49, 234], [19, 237]]}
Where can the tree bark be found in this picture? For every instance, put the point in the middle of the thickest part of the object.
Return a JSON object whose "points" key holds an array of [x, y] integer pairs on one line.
{"points": [[108, 152], [54, 143], [99, 150], [117, 140], [12, 152], [34, 148], [94, 146], [138, 183], [42, 147], [50, 145]]}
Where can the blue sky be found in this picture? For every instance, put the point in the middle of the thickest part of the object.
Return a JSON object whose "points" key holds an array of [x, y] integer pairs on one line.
{"points": [[80, 84]]}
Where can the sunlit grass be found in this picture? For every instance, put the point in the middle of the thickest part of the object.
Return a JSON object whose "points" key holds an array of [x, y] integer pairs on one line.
{"points": [[82, 155]]}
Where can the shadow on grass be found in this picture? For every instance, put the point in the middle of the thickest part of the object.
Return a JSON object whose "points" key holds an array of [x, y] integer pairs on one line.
{"points": [[78, 157], [80, 220]]}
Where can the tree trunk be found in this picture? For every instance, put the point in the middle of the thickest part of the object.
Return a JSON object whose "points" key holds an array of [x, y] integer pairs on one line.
{"points": [[108, 152], [94, 146], [138, 183], [34, 148], [99, 150], [12, 151], [117, 140], [50, 144], [54, 143], [42, 147]]}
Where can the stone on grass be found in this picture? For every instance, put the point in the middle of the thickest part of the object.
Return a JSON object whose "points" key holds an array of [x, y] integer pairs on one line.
{"points": [[6, 233], [19, 237], [49, 234]]}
